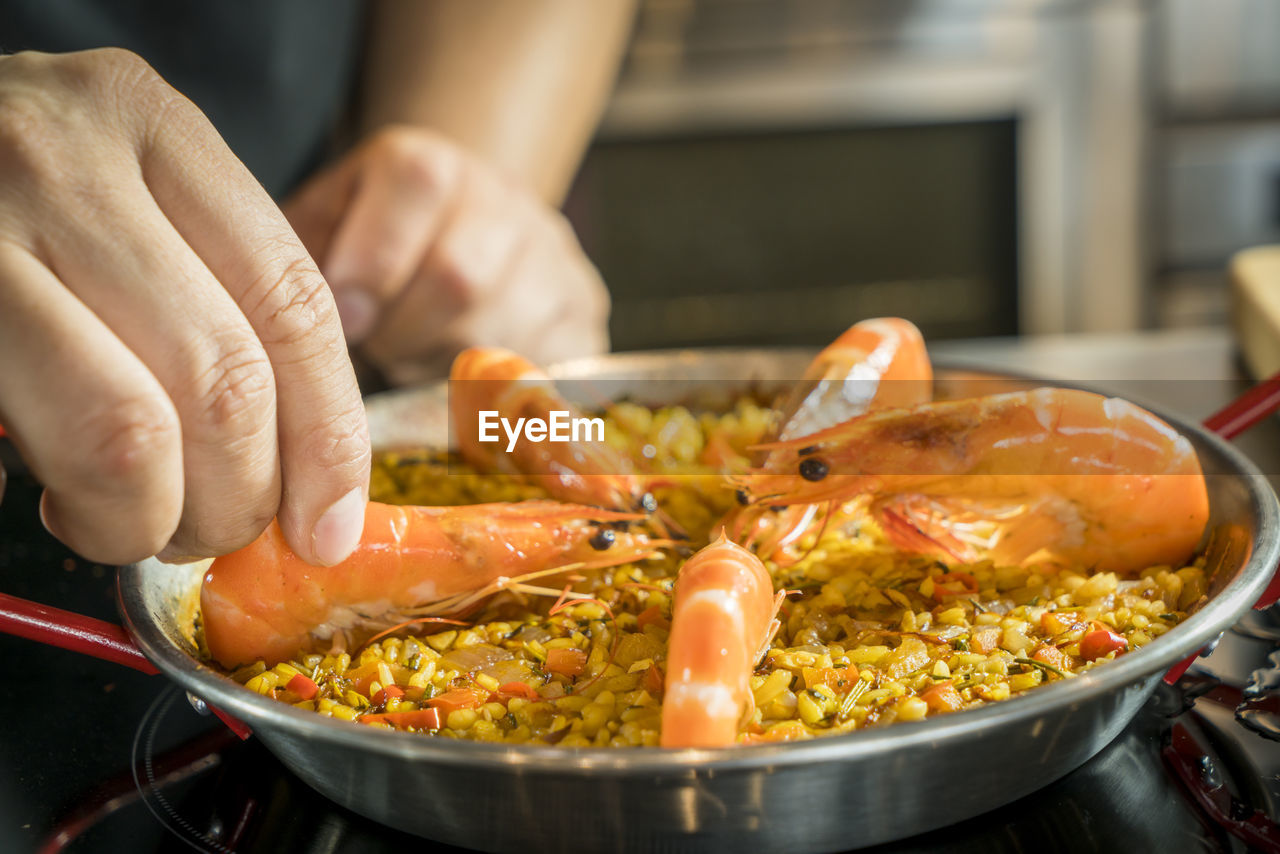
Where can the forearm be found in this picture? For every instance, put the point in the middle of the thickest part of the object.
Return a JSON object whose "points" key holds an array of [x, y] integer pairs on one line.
{"points": [[520, 82]]}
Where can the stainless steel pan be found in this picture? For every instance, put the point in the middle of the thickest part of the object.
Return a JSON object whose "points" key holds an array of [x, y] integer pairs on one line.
{"points": [[822, 795]]}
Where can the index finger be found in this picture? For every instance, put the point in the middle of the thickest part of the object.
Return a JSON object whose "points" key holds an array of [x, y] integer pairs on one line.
{"points": [[244, 239]]}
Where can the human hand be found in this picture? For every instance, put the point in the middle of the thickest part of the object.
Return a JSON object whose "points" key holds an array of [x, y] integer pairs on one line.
{"points": [[172, 366], [429, 251]]}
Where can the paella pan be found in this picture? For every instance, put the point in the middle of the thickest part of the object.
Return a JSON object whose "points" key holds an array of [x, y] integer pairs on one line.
{"points": [[825, 794]]}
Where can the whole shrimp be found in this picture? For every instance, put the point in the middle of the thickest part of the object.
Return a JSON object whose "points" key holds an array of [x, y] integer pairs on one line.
{"points": [[721, 623], [878, 363], [1052, 475], [264, 602], [490, 378]]}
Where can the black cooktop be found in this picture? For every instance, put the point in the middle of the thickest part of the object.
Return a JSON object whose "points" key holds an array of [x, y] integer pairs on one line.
{"points": [[98, 758]]}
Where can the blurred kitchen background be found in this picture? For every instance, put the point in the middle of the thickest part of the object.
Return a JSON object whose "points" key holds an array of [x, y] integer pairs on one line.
{"points": [[770, 170]]}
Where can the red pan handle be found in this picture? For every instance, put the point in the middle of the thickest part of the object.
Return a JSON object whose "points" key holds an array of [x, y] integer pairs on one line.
{"points": [[1233, 419], [85, 635], [1246, 410], [1228, 422], [56, 627]]}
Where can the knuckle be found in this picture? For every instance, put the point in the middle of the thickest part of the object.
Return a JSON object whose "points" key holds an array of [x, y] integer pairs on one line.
{"points": [[238, 391], [24, 135], [419, 160], [122, 442], [113, 71], [294, 300], [109, 61], [338, 445], [60, 113], [126, 90]]}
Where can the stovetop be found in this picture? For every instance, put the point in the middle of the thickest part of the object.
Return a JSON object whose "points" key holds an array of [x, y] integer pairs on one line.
{"points": [[98, 758]]}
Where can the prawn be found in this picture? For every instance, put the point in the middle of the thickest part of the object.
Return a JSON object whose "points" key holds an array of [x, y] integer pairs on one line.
{"points": [[490, 378], [722, 621], [878, 363], [264, 602], [1048, 475]]}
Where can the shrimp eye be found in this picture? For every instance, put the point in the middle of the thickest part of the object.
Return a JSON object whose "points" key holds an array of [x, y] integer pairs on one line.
{"points": [[813, 469], [602, 540], [742, 497], [647, 503]]}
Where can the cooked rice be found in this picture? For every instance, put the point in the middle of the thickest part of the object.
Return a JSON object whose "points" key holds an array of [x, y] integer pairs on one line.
{"points": [[869, 635]]}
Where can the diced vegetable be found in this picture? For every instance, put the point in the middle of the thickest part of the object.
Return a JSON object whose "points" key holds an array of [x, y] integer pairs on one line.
{"points": [[985, 640], [420, 719], [653, 681], [303, 687], [1100, 643], [652, 614], [954, 584], [365, 675], [785, 731], [390, 692], [510, 690], [1054, 624], [909, 657], [839, 679], [458, 698], [1052, 656], [942, 697], [637, 647], [478, 657], [566, 661]]}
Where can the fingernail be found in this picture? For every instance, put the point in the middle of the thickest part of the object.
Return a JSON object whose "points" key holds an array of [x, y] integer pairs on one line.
{"points": [[338, 532], [170, 554], [358, 310], [43, 508]]}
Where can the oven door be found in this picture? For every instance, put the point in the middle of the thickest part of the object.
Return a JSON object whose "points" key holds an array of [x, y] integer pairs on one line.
{"points": [[787, 237]]}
